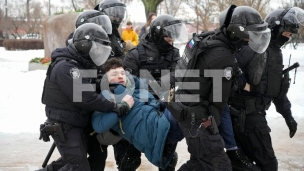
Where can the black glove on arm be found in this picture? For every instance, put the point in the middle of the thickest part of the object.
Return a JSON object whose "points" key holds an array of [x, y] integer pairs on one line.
{"points": [[121, 109], [292, 125]]}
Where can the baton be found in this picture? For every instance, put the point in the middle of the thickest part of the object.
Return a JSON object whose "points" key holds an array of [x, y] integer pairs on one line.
{"points": [[295, 65], [48, 156]]}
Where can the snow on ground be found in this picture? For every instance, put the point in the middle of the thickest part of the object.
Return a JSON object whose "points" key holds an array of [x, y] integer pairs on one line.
{"points": [[21, 113]]}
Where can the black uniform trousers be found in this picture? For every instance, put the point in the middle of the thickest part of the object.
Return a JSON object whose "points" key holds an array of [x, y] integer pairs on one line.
{"points": [[73, 150], [97, 153], [206, 150], [255, 141]]}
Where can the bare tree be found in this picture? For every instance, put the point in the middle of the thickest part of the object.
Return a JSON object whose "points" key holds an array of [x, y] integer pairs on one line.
{"points": [[167, 6], [90, 4], [1, 24], [151, 6], [204, 9], [260, 5]]}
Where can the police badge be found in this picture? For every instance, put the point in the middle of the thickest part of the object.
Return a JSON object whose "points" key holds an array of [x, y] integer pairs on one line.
{"points": [[228, 73], [74, 72]]}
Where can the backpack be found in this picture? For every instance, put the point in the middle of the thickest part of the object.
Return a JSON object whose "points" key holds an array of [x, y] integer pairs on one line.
{"points": [[194, 49]]}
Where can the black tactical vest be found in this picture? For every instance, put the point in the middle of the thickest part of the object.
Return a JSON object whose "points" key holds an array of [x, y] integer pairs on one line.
{"points": [[118, 46], [52, 95], [154, 66], [270, 81]]}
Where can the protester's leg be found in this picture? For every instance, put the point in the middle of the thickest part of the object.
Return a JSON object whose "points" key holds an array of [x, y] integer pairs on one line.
{"points": [[127, 156], [97, 154], [226, 130], [73, 150], [172, 164], [256, 142]]}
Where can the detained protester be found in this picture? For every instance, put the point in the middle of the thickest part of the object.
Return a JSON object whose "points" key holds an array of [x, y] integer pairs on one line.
{"points": [[144, 126], [199, 99], [154, 59], [70, 98], [267, 82]]}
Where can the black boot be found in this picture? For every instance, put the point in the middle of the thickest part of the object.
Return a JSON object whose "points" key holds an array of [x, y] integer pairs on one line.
{"points": [[172, 164], [240, 162]]}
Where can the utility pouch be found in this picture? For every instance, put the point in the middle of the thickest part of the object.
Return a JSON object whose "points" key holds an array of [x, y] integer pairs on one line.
{"points": [[58, 133], [213, 127], [239, 117]]}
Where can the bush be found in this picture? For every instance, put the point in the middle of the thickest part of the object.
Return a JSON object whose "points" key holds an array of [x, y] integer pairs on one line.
{"points": [[45, 60], [1, 42], [23, 44]]}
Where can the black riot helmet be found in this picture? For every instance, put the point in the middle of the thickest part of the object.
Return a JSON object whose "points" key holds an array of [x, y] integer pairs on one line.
{"points": [[92, 42], [240, 23], [114, 9], [94, 16], [281, 20], [167, 26]]}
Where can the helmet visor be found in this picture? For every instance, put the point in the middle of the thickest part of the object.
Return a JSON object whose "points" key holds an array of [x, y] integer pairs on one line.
{"points": [[259, 40], [99, 53], [116, 13], [104, 21], [177, 31], [294, 17]]}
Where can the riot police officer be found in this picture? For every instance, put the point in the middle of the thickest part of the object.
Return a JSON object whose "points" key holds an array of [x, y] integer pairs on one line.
{"points": [[266, 83], [97, 157], [116, 10], [154, 53], [199, 99], [68, 103]]}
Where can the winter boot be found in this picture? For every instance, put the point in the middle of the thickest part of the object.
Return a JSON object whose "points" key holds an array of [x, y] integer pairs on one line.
{"points": [[172, 164], [240, 162]]}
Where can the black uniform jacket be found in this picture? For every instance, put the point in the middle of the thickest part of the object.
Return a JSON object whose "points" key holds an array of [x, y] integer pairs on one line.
{"points": [[64, 77], [132, 59]]}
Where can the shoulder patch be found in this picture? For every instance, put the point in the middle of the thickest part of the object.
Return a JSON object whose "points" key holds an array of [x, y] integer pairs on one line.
{"points": [[228, 73], [191, 44], [74, 72]]}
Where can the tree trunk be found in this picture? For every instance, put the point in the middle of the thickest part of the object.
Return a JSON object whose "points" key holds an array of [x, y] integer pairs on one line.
{"points": [[28, 10], [74, 5], [151, 6]]}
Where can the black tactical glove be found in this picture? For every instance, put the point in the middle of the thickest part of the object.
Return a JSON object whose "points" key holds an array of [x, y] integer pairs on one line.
{"points": [[292, 125], [121, 109]]}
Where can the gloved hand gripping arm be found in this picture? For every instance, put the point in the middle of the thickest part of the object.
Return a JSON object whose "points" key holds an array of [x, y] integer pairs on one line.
{"points": [[124, 107]]}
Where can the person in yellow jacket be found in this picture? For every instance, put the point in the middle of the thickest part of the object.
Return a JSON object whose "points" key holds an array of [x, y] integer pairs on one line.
{"points": [[130, 34]]}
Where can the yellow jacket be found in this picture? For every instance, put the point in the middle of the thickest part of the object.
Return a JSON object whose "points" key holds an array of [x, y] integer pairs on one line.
{"points": [[131, 35]]}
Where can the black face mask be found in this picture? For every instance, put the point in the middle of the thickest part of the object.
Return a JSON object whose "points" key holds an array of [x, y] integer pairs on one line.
{"points": [[281, 40], [164, 47], [239, 44]]}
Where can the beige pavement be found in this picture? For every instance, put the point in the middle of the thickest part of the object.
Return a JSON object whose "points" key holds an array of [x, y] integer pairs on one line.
{"points": [[24, 152]]}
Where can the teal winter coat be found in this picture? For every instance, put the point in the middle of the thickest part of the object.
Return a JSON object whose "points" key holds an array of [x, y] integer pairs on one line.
{"points": [[144, 126]]}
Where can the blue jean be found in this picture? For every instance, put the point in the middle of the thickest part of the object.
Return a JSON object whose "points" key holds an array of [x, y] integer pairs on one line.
{"points": [[226, 129]]}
